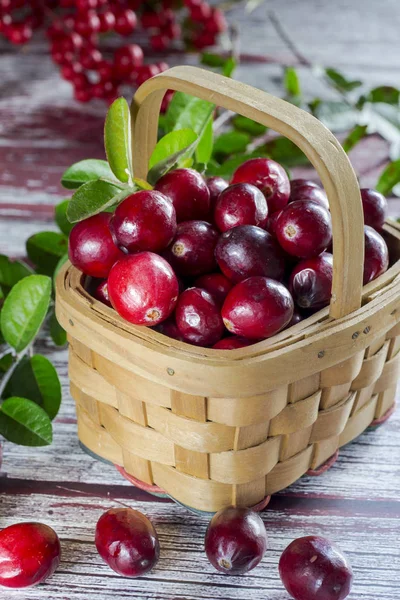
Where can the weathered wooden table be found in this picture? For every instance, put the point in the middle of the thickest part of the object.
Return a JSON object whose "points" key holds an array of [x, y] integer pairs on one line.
{"points": [[356, 503]]}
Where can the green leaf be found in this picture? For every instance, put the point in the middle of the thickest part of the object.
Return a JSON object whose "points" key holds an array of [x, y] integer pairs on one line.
{"points": [[231, 142], [61, 217], [117, 139], [384, 119], [286, 152], [389, 178], [354, 137], [24, 310], [57, 333], [337, 116], [340, 81], [93, 198], [205, 144], [45, 249], [188, 112], [83, 171], [35, 378], [169, 150], [229, 67], [6, 361], [12, 271], [24, 422], [249, 126], [384, 93], [212, 60], [291, 81]]}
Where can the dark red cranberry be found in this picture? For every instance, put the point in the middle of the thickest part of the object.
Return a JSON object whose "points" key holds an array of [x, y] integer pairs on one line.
{"points": [[145, 220], [29, 554], [144, 73], [216, 185], [215, 284], [18, 33], [269, 176], [198, 318], [125, 21], [170, 329], [271, 222], [375, 208], [311, 281], [236, 540], [91, 247], [107, 21], [297, 317], [143, 288], [304, 229], [240, 204], [87, 23], [192, 249], [188, 192], [313, 568], [101, 293], [232, 343], [299, 183], [376, 259], [248, 250], [257, 308], [126, 59], [91, 58], [127, 541], [305, 190], [83, 94]]}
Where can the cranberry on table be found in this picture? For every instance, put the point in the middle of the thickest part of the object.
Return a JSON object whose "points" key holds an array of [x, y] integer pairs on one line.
{"points": [[240, 204], [91, 247], [198, 318], [269, 176], [125, 21], [101, 293], [215, 284], [216, 185], [29, 554], [311, 281], [376, 258], [313, 568], [375, 208], [304, 229], [145, 220], [257, 308], [143, 288], [127, 541], [308, 190], [249, 250], [188, 192], [236, 540], [192, 249], [127, 59], [232, 343]]}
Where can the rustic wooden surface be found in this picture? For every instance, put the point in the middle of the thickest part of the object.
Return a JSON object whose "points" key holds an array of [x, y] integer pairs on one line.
{"points": [[357, 502]]}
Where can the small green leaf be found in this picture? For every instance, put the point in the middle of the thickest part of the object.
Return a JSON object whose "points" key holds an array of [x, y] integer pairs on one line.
{"points": [[204, 148], [389, 178], [286, 152], [45, 249], [188, 112], [24, 310], [141, 184], [93, 198], [291, 81], [384, 93], [354, 137], [340, 81], [83, 171], [229, 67], [61, 217], [12, 271], [5, 362], [169, 150], [231, 142], [57, 333], [337, 116], [24, 422], [117, 140], [248, 126], [212, 60]]}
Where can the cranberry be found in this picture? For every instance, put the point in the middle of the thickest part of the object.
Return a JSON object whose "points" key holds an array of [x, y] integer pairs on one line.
{"points": [[217, 22], [192, 249], [376, 259], [91, 247], [313, 568], [101, 293], [232, 343], [248, 250], [305, 190], [144, 73], [298, 183], [87, 23], [145, 220], [29, 554], [215, 284], [127, 541], [188, 192], [85, 5], [159, 42], [91, 58], [271, 222], [19, 33], [68, 72], [375, 208], [297, 317], [127, 59], [269, 176], [200, 12], [198, 318], [311, 281], [257, 308], [240, 204], [236, 540], [216, 185], [304, 229], [143, 288], [107, 21], [125, 22], [170, 329]]}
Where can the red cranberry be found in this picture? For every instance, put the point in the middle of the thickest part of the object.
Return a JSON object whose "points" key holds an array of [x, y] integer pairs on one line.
{"points": [[170, 329], [18, 33], [91, 247], [144, 73], [304, 229], [192, 249], [309, 191], [83, 94], [269, 176], [311, 281], [248, 250], [188, 192], [299, 183], [236, 540], [297, 317], [91, 58], [271, 222], [143, 288], [216, 185], [159, 42], [87, 23], [127, 59], [69, 72], [240, 204], [85, 5], [198, 318], [107, 21], [375, 208], [127, 541], [101, 293], [145, 220], [232, 343], [125, 22], [313, 568], [376, 259], [215, 284], [29, 554], [257, 308]]}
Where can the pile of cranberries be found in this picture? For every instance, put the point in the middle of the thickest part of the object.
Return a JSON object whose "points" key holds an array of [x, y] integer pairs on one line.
{"points": [[79, 36], [311, 568], [220, 265]]}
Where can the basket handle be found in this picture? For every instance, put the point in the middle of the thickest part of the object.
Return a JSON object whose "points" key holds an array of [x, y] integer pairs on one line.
{"points": [[310, 135]]}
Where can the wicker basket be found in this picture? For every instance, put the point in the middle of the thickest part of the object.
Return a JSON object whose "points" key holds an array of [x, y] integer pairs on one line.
{"points": [[214, 428]]}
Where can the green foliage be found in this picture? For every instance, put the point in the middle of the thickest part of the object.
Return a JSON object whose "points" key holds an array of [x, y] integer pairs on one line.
{"points": [[170, 151], [389, 178], [355, 136], [94, 197], [341, 82], [45, 250], [249, 126], [292, 82], [60, 213], [12, 271], [83, 171], [24, 422], [117, 140]]}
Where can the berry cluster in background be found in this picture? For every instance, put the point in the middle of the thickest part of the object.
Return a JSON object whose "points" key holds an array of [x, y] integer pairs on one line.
{"points": [[79, 33]]}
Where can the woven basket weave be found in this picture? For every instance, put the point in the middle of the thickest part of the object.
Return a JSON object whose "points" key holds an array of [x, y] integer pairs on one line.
{"points": [[214, 428]]}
